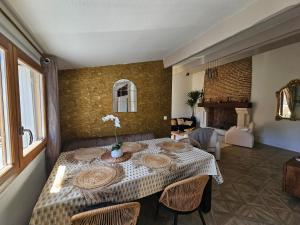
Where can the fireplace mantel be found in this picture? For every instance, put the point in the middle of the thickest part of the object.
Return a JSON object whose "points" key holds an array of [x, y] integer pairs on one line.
{"points": [[225, 104]]}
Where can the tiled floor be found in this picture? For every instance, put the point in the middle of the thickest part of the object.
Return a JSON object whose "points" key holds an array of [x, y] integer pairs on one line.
{"points": [[250, 195]]}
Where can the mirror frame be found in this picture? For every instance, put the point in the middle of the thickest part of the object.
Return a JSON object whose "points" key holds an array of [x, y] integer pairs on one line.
{"points": [[293, 116]]}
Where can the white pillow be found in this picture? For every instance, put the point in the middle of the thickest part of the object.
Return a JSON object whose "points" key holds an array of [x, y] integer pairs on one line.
{"points": [[180, 121], [188, 123]]}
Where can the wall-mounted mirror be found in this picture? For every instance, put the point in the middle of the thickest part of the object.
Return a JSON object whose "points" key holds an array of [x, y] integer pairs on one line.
{"points": [[288, 101], [124, 96]]}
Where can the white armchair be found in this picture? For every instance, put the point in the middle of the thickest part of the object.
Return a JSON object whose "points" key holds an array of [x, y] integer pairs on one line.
{"points": [[214, 145], [240, 136]]}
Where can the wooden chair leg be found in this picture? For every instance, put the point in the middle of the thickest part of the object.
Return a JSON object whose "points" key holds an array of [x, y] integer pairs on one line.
{"points": [[175, 218], [202, 218]]}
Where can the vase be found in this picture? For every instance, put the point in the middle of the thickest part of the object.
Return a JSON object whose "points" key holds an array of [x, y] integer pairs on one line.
{"points": [[116, 153]]}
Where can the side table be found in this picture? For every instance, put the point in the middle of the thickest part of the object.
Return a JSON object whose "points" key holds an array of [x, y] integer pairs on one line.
{"points": [[291, 177]]}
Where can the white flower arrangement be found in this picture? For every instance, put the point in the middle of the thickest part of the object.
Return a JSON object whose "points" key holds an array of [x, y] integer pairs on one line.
{"points": [[112, 118], [117, 125]]}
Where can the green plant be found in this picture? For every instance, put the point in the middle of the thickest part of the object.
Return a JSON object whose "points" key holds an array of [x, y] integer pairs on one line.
{"points": [[193, 97]]}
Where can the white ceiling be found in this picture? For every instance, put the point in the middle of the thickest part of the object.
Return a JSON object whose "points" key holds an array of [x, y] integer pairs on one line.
{"points": [[83, 33]]}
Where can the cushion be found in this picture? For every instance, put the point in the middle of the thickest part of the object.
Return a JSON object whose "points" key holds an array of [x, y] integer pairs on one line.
{"points": [[195, 143], [188, 123], [173, 122], [244, 129], [180, 121]]}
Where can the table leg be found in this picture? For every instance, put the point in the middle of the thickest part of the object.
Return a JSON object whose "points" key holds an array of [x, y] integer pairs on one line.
{"points": [[205, 205]]}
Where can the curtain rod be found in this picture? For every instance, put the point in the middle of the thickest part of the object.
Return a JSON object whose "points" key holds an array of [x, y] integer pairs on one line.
{"points": [[21, 32]]}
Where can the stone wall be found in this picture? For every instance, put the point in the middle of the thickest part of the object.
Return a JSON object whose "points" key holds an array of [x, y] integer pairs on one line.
{"points": [[233, 81], [86, 96]]}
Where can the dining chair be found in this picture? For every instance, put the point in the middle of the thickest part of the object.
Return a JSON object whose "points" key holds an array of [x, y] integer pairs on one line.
{"points": [[122, 214], [184, 197]]}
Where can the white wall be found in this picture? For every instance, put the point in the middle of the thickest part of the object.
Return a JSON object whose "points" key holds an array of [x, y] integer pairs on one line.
{"points": [[18, 199], [8, 30], [181, 85], [271, 71]]}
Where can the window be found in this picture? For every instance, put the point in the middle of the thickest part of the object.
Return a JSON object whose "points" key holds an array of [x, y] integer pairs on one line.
{"points": [[22, 111], [31, 106], [5, 150]]}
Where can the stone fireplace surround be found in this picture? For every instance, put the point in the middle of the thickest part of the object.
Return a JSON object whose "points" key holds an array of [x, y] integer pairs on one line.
{"points": [[225, 115]]}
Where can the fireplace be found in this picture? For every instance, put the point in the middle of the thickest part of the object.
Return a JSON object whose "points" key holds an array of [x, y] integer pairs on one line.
{"points": [[226, 115], [222, 118]]}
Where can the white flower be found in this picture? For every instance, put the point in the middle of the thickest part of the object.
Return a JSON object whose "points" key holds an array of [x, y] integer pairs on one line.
{"points": [[112, 118], [117, 122]]}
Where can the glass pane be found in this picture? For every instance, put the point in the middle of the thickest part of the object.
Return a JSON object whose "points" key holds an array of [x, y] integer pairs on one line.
{"points": [[31, 104], [5, 150]]}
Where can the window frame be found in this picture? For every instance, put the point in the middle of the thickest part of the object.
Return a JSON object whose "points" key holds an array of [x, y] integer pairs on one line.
{"points": [[12, 170], [18, 161], [36, 148]]}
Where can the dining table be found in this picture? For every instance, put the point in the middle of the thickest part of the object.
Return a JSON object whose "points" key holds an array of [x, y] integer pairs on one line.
{"points": [[58, 203]]}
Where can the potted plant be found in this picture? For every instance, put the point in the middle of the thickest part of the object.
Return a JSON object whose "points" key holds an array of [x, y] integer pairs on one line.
{"points": [[193, 97], [116, 150]]}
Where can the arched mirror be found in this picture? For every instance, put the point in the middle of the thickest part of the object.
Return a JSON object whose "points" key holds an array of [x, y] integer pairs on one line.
{"points": [[124, 96], [288, 101]]}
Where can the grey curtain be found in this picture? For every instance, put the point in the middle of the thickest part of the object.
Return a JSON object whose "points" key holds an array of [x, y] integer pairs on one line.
{"points": [[50, 71]]}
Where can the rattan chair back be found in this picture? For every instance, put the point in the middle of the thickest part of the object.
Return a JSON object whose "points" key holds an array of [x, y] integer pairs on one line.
{"points": [[184, 195], [123, 214]]}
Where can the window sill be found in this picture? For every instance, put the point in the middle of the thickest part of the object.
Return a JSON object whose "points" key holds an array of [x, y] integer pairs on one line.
{"points": [[32, 151], [4, 170], [31, 148], [7, 175]]}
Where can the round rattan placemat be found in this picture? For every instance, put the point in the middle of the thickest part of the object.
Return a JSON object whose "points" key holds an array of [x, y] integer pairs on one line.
{"points": [[95, 177], [156, 161], [88, 154], [133, 147], [107, 157], [172, 146], [85, 154]]}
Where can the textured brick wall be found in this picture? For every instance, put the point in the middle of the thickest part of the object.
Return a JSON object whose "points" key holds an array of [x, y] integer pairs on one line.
{"points": [[233, 80], [86, 96]]}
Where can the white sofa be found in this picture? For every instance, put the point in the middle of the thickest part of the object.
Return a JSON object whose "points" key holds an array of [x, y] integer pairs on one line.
{"points": [[240, 136]]}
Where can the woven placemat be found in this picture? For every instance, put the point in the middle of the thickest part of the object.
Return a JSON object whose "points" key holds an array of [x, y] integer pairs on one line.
{"points": [[133, 147], [85, 154], [107, 157], [176, 147], [95, 177], [94, 182], [155, 161]]}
